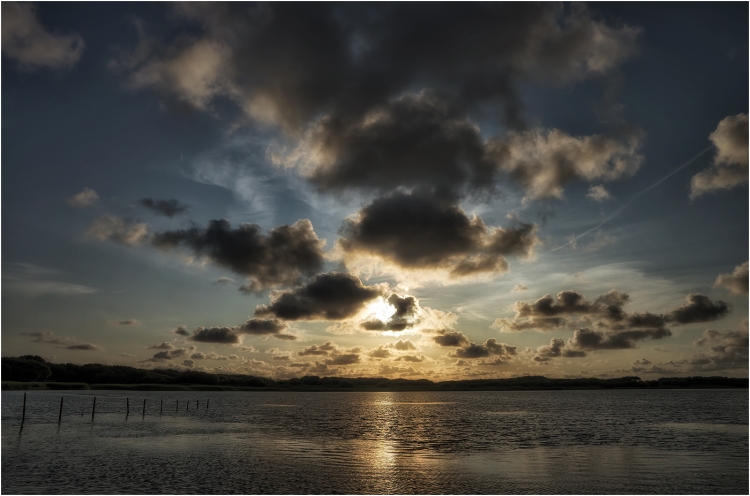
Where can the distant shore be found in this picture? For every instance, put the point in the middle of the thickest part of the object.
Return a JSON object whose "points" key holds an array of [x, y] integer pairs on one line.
{"points": [[57, 386]]}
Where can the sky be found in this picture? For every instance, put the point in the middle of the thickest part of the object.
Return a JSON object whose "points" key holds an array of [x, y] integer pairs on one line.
{"points": [[430, 190]]}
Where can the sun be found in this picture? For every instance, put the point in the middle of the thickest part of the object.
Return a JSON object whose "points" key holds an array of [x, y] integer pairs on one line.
{"points": [[379, 309]]}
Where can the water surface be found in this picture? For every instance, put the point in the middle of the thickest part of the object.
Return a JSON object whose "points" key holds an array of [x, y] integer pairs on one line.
{"points": [[530, 442]]}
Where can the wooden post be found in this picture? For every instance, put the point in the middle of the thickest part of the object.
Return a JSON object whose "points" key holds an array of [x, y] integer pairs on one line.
{"points": [[196, 404], [93, 409], [23, 414], [207, 404], [144, 407], [161, 407], [187, 406], [177, 407], [127, 407], [59, 415]]}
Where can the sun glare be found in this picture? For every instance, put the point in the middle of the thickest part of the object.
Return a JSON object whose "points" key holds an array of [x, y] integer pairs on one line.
{"points": [[380, 309]]}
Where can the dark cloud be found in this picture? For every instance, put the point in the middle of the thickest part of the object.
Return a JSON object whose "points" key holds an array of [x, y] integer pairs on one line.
{"points": [[411, 358], [451, 338], [167, 208], [377, 96], [282, 256], [222, 335], [181, 330], [417, 140], [61, 342], [699, 308], [570, 307], [129, 322], [730, 165], [323, 349], [260, 327], [490, 348], [736, 282], [330, 296], [420, 230], [161, 346], [264, 57], [404, 316], [555, 349], [167, 355], [725, 351], [85, 347], [346, 359], [587, 339]]}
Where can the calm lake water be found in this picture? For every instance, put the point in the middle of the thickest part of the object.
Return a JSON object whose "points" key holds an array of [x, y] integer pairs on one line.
{"points": [[538, 442]]}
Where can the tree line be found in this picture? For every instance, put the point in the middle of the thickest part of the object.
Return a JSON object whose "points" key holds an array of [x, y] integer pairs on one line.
{"points": [[33, 368]]}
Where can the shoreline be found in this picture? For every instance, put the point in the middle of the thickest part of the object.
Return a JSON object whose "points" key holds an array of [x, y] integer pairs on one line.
{"points": [[53, 386]]}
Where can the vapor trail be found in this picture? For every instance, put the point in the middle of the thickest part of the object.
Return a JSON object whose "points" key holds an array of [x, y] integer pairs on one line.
{"points": [[641, 193]]}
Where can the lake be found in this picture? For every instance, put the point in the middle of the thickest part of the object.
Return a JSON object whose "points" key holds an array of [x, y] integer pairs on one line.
{"points": [[491, 442]]}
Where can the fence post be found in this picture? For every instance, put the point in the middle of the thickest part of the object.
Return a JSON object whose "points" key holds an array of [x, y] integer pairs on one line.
{"points": [[93, 409], [59, 415]]}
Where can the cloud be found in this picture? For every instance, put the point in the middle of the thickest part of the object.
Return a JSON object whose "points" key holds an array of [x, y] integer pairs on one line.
{"points": [[262, 326], [25, 40], [451, 338], [405, 315], [587, 339], [128, 322], [725, 351], [416, 140], [221, 335], [571, 308], [167, 208], [61, 342], [555, 349], [359, 56], [699, 308], [544, 161], [730, 165], [224, 280], [316, 350], [123, 231], [346, 359], [85, 198], [181, 330], [166, 355], [736, 282], [33, 281], [84, 347], [379, 352], [401, 345], [330, 296], [613, 327], [490, 348], [281, 257], [518, 288], [411, 358], [422, 231], [161, 346], [265, 327], [598, 194]]}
